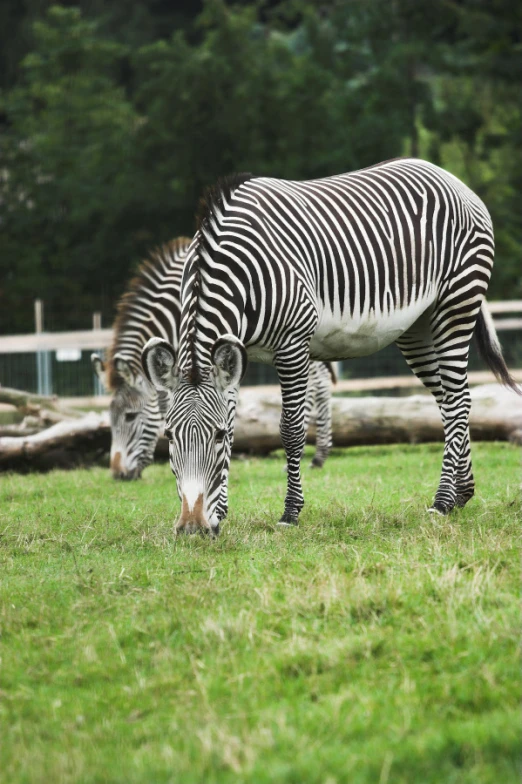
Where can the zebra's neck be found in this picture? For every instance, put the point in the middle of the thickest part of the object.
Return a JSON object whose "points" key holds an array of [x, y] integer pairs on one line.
{"points": [[214, 295], [214, 288]]}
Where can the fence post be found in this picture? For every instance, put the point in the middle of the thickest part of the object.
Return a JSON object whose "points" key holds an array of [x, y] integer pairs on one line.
{"points": [[97, 324], [43, 358]]}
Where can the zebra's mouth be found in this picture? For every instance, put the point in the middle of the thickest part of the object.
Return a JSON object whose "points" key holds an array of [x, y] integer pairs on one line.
{"points": [[128, 476]]}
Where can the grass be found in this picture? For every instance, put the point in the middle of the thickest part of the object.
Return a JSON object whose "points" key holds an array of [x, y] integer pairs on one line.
{"points": [[373, 644]]}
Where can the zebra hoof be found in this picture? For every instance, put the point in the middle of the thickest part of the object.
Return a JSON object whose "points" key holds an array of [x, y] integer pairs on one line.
{"points": [[463, 499], [289, 520], [440, 509], [316, 463]]}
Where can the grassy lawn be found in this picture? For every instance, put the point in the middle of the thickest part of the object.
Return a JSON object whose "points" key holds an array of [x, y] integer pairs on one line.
{"points": [[372, 644]]}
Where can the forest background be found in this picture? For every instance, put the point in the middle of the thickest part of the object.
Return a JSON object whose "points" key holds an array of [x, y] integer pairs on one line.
{"points": [[115, 116]]}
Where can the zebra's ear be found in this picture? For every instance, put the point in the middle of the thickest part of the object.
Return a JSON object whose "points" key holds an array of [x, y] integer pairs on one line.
{"points": [[159, 364], [229, 360], [124, 370], [99, 368]]}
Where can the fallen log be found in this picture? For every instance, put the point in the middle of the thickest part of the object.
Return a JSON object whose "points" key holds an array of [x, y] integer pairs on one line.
{"points": [[48, 408], [496, 414], [66, 444]]}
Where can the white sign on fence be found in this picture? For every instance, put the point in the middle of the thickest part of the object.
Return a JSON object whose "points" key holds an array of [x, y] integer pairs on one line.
{"points": [[68, 354]]}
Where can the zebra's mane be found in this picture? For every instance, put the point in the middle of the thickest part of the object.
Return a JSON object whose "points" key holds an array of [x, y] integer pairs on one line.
{"points": [[215, 195], [210, 205], [382, 163], [138, 287]]}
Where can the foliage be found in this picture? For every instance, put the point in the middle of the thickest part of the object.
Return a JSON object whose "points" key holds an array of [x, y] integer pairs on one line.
{"points": [[68, 169], [373, 643], [113, 119]]}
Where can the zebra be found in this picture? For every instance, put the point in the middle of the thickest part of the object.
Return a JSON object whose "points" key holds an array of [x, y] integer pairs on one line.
{"points": [[151, 304], [288, 272]]}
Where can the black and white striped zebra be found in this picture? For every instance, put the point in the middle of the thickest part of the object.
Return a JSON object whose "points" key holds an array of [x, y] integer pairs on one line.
{"points": [[151, 306], [326, 269]]}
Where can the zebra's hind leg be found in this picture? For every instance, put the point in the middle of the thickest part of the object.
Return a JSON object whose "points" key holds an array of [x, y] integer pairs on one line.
{"points": [[455, 415], [452, 327], [419, 352], [323, 405]]}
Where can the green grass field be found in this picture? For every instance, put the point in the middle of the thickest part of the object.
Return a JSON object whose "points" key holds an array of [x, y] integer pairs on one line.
{"points": [[373, 644]]}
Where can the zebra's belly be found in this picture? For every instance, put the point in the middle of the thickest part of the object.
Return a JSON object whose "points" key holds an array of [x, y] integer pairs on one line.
{"points": [[346, 336]]}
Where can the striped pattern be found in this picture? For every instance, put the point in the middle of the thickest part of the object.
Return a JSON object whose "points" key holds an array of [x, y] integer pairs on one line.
{"points": [[150, 306]]}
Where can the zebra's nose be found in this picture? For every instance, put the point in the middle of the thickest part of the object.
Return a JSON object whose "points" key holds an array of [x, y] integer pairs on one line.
{"points": [[116, 466], [193, 520], [119, 471]]}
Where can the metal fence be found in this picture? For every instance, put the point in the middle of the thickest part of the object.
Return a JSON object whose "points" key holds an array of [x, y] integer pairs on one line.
{"points": [[59, 362]]}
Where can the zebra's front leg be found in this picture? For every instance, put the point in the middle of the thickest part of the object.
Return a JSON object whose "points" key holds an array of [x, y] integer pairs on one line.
{"points": [[292, 366], [464, 480], [222, 505]]}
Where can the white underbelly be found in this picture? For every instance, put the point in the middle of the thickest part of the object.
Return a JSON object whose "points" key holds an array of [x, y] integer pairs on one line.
{"points": [[346, 336]]}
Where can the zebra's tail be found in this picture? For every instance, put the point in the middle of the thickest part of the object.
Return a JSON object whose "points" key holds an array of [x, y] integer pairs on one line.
{"points": [[490, 349]]}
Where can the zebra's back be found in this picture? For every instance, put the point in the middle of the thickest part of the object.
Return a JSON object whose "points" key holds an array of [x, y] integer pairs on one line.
{"points": [[371, 249]]}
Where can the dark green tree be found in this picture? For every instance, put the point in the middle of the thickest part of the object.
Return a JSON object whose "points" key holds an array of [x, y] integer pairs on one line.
{"points": [[67, 199], [118, 117]]}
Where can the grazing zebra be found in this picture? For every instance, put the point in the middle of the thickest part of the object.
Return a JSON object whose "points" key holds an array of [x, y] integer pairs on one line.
{"points": [[137, 410], [150, 306], [327, 269]]}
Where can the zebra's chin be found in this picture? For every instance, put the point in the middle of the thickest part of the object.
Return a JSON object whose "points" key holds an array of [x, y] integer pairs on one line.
{"points": [[194, 519], [193, 527]]}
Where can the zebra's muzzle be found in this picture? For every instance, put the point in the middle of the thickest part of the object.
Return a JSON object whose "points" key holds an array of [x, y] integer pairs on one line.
{"points": [[120, 472], [127, 476], [193, 520]]}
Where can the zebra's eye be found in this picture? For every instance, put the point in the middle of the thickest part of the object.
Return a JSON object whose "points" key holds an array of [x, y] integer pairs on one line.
{"points": [[220, 435], [169, 434], [130, 416]]}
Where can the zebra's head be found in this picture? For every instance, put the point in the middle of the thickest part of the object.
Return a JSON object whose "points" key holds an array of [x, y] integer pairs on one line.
{"points": [[199, 425], [137, 412]]}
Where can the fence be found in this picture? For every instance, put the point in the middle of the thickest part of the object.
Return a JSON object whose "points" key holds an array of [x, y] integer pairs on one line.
{"points": [[59, 362]]}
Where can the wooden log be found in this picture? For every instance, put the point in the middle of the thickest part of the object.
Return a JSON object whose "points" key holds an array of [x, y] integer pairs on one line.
{"points": [[41, 405], [66, 444], [496, 414]]}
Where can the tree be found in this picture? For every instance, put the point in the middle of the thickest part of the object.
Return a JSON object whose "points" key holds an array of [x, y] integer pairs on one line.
{"points": [[67, 201]]}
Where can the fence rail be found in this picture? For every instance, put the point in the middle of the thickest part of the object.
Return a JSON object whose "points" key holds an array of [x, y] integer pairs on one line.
{"points": [[83, 340], [93, 339], [60, 360]]}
